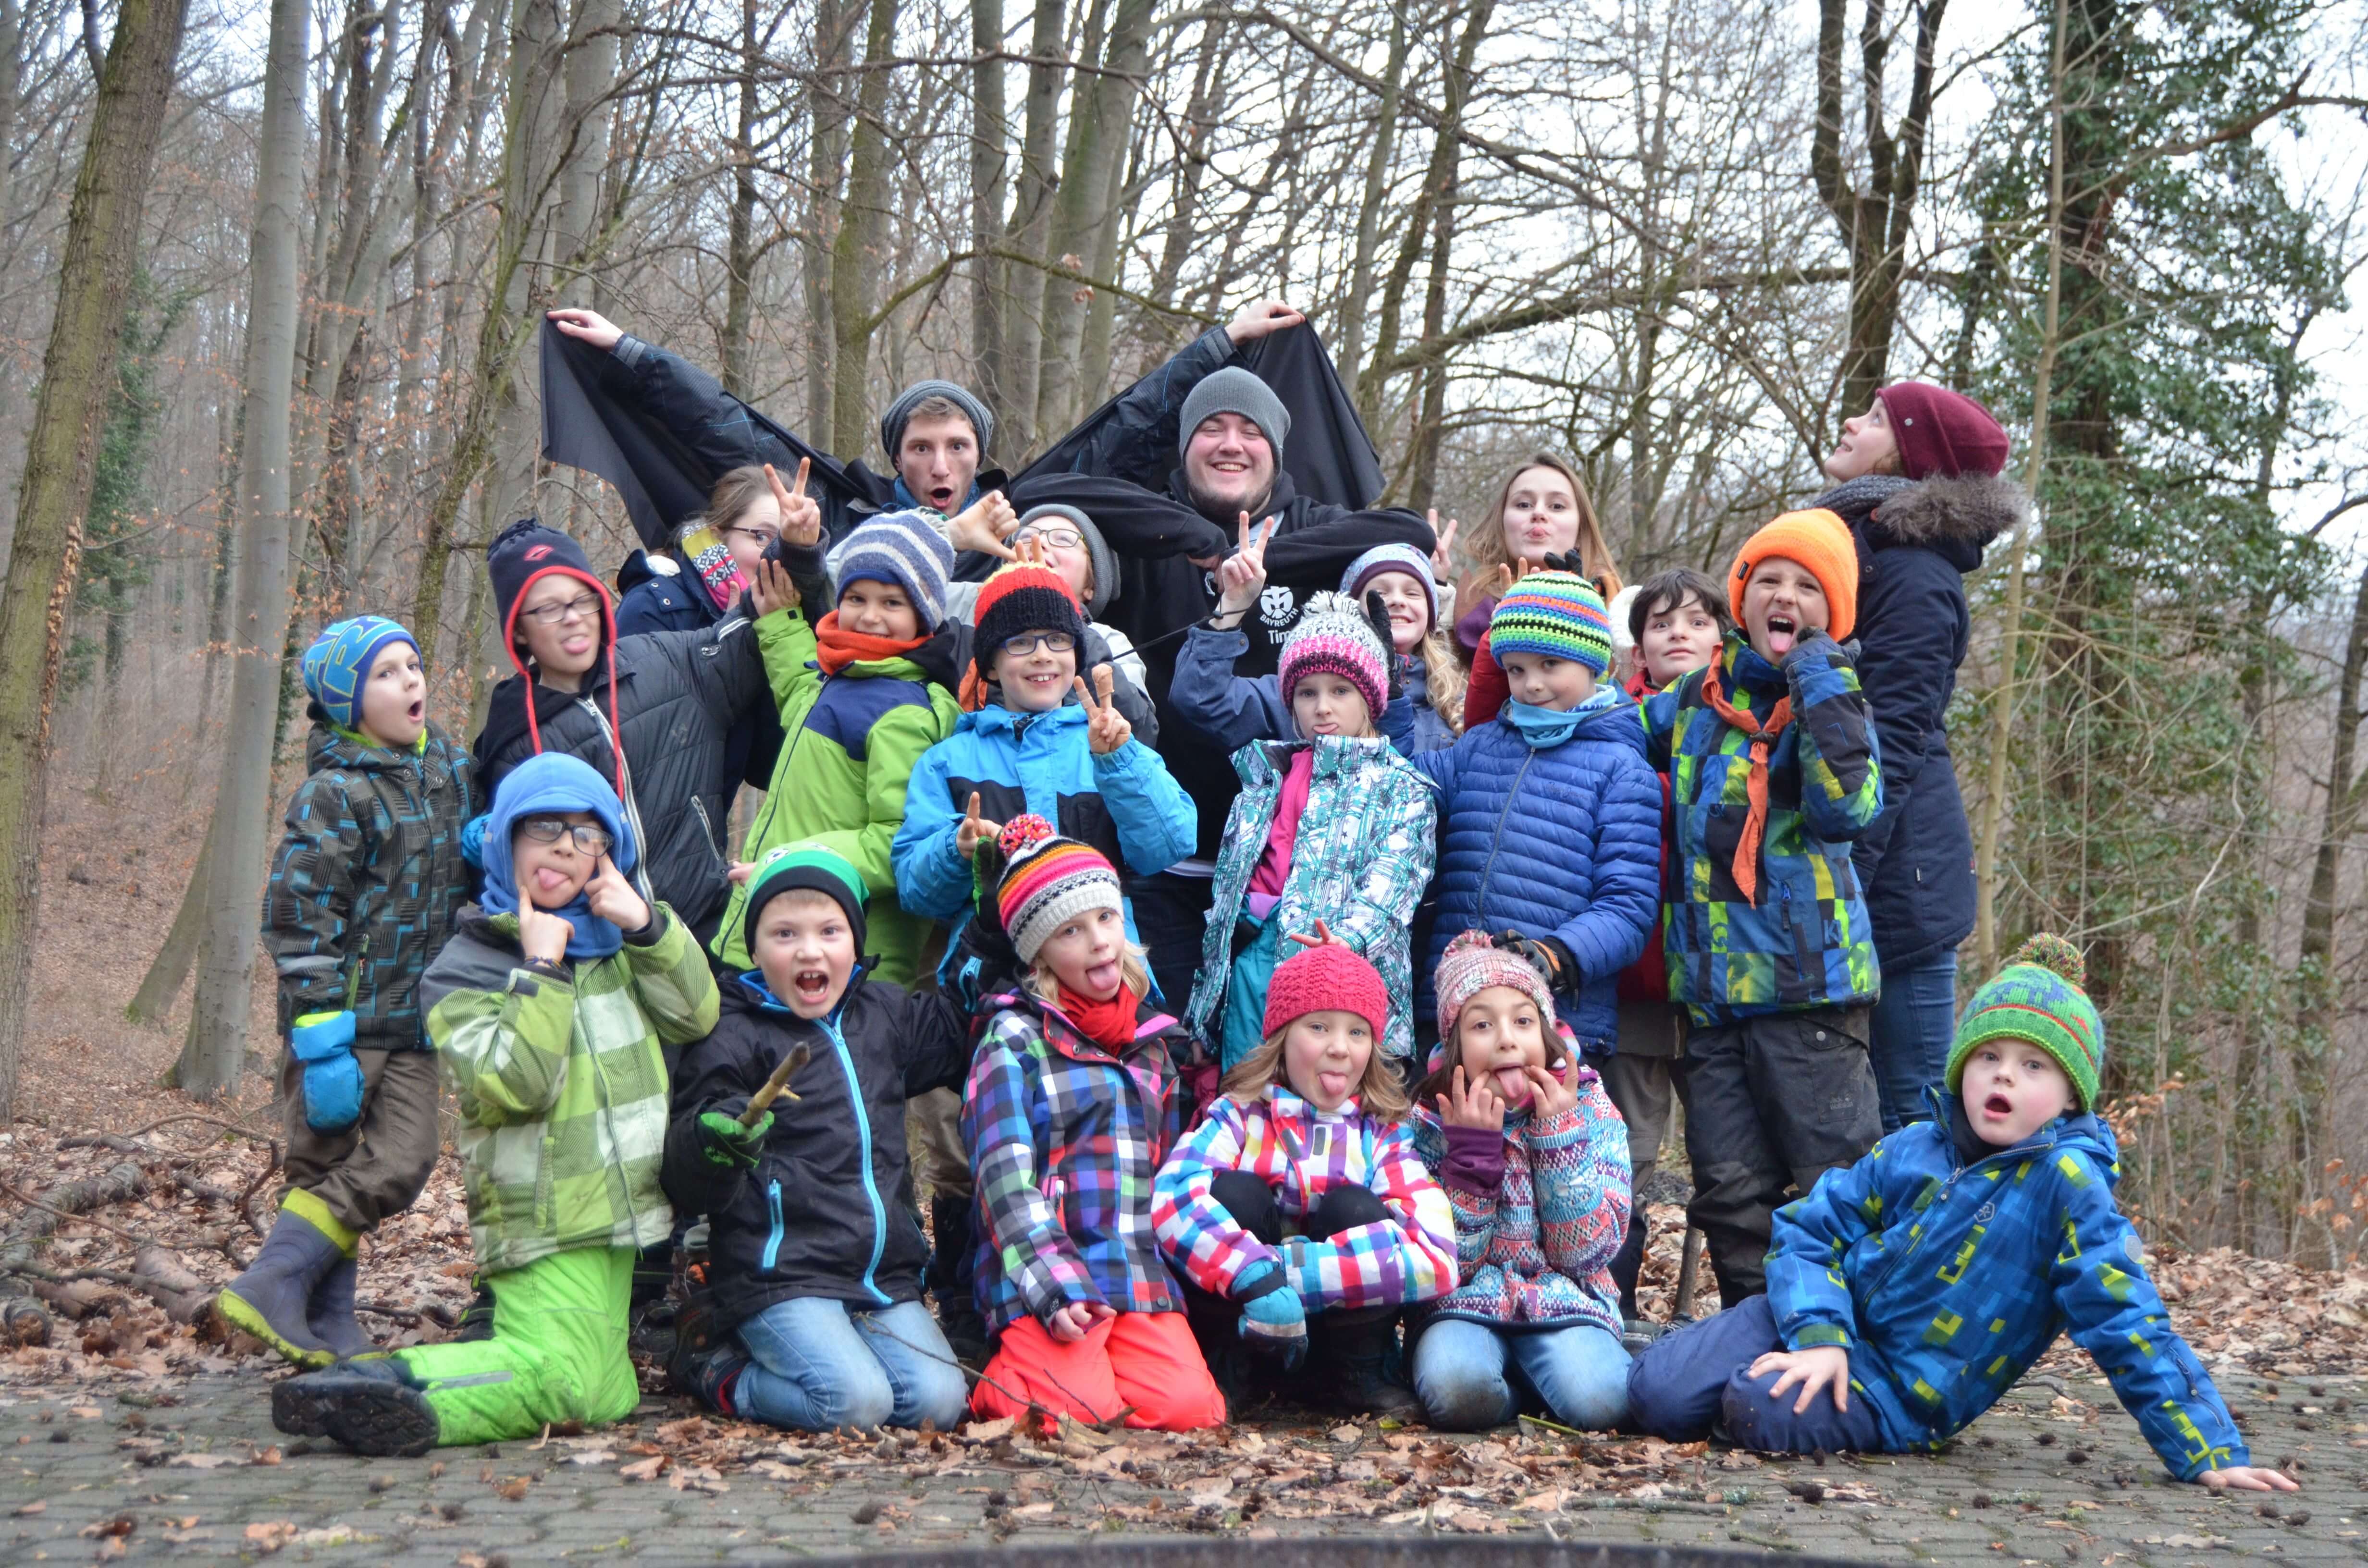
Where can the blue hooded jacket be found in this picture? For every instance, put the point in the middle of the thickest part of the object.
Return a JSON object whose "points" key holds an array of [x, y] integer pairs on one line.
{"points": [[1946, 1280], [543, 785]]}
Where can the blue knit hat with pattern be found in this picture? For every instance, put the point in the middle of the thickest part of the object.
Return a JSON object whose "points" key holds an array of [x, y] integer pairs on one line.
{"points": [[1382, 558], [1557, 615], [903, 551], [338, 663]]}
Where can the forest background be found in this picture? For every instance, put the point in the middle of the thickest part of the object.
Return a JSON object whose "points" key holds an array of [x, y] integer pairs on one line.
{"points": [[270, 273]]}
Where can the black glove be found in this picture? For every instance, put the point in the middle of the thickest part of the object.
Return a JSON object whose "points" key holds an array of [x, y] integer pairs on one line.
{"points": [[1379, 614], [1547, 955]]}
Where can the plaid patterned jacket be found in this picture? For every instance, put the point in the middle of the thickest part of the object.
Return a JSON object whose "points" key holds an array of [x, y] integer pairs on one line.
{"points": [[1065, 1139], [1946, 1280], [1539, 1249], [1302, 1154]]}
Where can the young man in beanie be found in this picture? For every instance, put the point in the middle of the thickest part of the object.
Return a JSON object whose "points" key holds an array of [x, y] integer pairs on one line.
{"points": [[815, 1320], [1906, 1292], [364, 890], [1773, 769]]}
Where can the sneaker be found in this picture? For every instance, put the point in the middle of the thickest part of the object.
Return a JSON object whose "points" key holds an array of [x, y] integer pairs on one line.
{"points": [[373, 1407]]}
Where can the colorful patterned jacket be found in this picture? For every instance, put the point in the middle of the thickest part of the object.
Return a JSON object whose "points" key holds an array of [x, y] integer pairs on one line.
{"points": [[562, 1083], [1302, 1154], [1538, 1248], [1806, 943], [1065, 1139], [1946, 1280], [1362, 857]]}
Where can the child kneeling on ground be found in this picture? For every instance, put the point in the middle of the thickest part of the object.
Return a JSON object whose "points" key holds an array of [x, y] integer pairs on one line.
{"points": [[1915, 1287], [550, 1006], [1308, 1137], [1534, 1159], [1072, 1105], [815, 1271]]}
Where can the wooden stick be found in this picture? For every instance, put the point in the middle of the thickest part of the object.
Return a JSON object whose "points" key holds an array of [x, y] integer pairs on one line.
{"points": [[776, 1086]]}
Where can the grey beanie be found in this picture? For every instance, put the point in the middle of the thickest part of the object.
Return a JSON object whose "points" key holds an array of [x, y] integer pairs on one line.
{"points": [[900, 413], [1235, 390], [1096, 548]]}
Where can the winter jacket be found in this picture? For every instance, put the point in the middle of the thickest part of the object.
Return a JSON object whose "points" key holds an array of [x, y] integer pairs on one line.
{"points": [[854, 738], [1359, 863], [368, 880], [562, 1083], [1915, 544], [1946, 1279], [820, 1215], [1431, 731], [1233, 711], [678, 696], [1562, 842], [1536, 1249], [1648, 979], [654, 594], [1806, 943], [1065, 1140], [1302, 1153]]}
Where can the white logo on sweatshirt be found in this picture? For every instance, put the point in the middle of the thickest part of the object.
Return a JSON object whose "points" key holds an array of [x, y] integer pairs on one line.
{"points": [[1277, 608]]}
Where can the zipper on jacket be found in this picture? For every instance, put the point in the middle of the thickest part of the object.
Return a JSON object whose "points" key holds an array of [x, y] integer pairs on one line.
{"points": [[863, 1149], [773, 1239], [707, 828], [633, 807], [1497, 841], [2020, 1151]]}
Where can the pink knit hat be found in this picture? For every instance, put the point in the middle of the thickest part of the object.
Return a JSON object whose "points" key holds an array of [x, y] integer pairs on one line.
{"points": [[1472, 964], [1329, 979], [1332, 637]]}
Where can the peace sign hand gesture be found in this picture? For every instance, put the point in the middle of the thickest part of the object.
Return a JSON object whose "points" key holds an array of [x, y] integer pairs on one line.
{"points": [[1241, 576], [800, 517], [1323, 938], [1442, 554], [613, 898], [1106, 727], [975, 830]]}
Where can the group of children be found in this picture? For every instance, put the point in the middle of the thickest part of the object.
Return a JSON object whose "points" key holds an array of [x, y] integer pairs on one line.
{"points": [[1376, 1160]]}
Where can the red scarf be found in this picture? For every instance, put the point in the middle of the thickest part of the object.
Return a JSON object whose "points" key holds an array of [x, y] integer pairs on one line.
{"points": [[837, 647], [1110, 1024], [1763, 737]]}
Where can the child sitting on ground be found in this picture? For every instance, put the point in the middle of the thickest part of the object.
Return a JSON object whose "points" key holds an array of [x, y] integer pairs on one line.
{"points": [[815, 1271], [1771, 757], [1071, 1108], [2007, 1196], [550, 1006], [363, 892], [1308, 1138], [1334, 825], [1534, 1159]]}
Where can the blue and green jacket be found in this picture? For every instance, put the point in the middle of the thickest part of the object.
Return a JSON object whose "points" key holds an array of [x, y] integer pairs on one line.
{"points": [[1945, 1278]]}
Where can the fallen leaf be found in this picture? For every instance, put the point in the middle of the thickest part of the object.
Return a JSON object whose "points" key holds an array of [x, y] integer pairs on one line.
{"points": [[266, 1456], [1347, 1432], [122, 1524], [593, 1456], [988, 1431], [38, 1504], [87, 1411], [644, 1469], [697, 1478], [204, 1461], [271, 1535], [514, 1490]]}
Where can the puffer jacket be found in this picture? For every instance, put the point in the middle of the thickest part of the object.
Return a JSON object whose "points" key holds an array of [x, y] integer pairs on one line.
{"points": [[368, 880], [1359, 863], [821, 1214], [656, 594], [1537, 1249], [1916, 541], [1806, 943], [678, 695], [1302, 1153], [1562, 842], [562, 1083], [1945, 1278]]}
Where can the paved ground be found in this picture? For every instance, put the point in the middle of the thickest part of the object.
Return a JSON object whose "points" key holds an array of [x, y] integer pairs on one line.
{"points": [[2056, 1474]]}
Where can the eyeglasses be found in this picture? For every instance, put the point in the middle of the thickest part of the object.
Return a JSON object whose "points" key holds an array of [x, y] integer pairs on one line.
{"points": [[1026, 643], [584, 607], [592, 841], [765, 538], [1057, 539]]}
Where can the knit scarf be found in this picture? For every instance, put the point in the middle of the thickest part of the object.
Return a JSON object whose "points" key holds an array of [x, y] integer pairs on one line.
{"points": [[835, 647], [1108, 1024], [1545, 728], [1763, 739]]}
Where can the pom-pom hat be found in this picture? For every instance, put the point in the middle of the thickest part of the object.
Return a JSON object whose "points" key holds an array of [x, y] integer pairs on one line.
{"points": [[1332, 637], [1020, 596], [1048, 882], [1328, 979], [2038, 996]]}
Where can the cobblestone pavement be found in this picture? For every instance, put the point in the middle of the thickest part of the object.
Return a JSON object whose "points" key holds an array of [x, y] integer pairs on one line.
{"points": [[2056, 1474]]}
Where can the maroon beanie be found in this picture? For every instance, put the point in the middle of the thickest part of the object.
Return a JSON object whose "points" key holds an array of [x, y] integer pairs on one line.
{"points": [[1329, 979], [1941, 433]]}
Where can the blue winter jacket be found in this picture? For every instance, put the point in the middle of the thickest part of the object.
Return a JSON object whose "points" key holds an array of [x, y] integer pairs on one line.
{"points": [[1946, 1280], [1562, 842]]}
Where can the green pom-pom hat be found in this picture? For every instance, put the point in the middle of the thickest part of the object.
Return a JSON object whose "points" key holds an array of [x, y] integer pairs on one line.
{"points": [[2038, 998]]}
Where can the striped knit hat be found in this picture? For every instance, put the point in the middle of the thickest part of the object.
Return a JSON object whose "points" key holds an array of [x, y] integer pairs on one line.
{"points": [[1020, 596], [1384, 558], [903, 551], [338, 665], [1048, 882], [1556, 615], [1332, 637], [2038, 998]]}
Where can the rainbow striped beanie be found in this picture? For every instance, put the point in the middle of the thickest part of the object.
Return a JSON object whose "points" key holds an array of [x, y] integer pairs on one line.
{"points": [[1556, 615], [1048, 882], [2038, 998]]}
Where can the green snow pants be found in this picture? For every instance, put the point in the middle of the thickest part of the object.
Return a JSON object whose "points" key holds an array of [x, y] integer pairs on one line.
{"points": [[558, 1353]]}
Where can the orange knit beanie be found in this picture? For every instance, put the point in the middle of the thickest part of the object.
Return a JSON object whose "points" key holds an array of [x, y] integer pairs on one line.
{"points": [[1819, 540]]}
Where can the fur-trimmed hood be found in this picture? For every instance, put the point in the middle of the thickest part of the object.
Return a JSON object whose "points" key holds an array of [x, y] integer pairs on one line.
{"points": [[1954, 516]]}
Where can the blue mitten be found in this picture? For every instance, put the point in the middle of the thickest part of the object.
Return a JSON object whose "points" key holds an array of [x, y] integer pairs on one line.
{"points": [[1274, 1320], [323, 1042], [473, 839]]}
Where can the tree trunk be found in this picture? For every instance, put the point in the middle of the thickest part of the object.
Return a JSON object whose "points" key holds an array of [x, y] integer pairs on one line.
{"points": [[831, 95], [1351, 352], [2345, 791], [859, 253], [216, 1048], [740, 243], [990, 160], [161, 986], [1031, 221], [1199, 119], [61, 455], [1128, 61], [1439, 189]]}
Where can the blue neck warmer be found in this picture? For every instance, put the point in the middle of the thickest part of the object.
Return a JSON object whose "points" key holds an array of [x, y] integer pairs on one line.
{"points": [[1548, 727], [543, 786]]}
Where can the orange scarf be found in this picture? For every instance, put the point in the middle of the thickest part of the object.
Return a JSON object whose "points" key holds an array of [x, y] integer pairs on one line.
{"points": [[835, 647], [1763, 737]]}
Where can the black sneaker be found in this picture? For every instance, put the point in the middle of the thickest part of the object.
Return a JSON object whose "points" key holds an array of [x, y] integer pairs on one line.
{"points": [[708, 1373], [477, 1317], [371, 1407]]}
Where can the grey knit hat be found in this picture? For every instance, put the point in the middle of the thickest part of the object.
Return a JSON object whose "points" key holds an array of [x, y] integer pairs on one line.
{"points": [[900, 413], [1096, 548], [904, 549], [1235, 390]]}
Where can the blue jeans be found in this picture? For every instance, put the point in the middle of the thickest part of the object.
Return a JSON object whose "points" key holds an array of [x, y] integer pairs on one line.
{"points": [[1471, 1376], [1696, 1381], [1909, 1032], [820, 1365]]}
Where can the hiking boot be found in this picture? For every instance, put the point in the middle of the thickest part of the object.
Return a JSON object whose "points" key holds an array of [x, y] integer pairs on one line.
{"points": [[948, 1278], [373, 1407], [330, 1312], [477, 1317], [272, 1300], [703, 1363], [1347, 1365]]}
